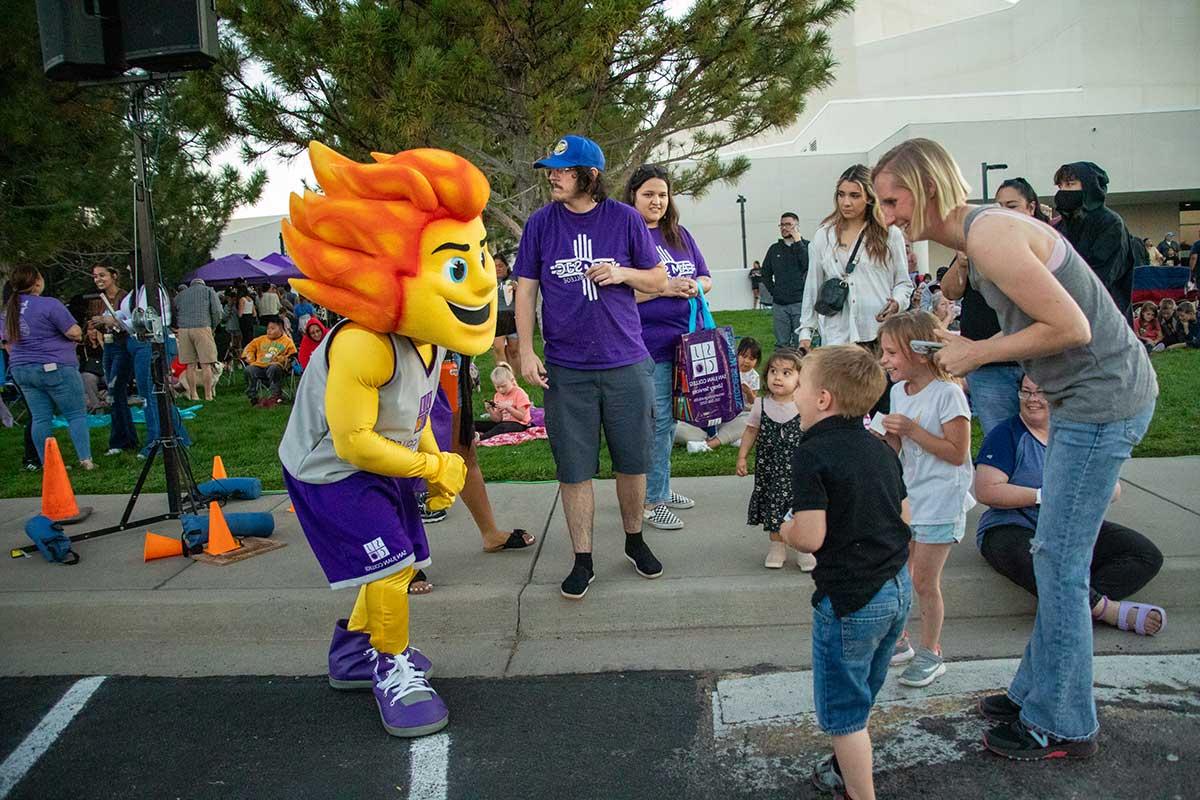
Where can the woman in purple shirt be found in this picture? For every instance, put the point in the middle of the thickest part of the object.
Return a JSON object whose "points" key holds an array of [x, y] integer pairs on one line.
{"points": [[41, 335], [664, 318]]}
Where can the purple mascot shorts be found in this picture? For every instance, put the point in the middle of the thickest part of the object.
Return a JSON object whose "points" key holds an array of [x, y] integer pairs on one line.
{"points": [[361, 528]]}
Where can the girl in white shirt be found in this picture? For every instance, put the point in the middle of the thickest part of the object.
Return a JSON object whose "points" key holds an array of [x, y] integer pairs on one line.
{"points": [[879, 285], [930, 427]]}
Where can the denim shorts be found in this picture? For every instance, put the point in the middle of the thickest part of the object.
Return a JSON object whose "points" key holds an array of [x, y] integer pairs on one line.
{"points": [[851, 655], [581, 402], [946, 533]]}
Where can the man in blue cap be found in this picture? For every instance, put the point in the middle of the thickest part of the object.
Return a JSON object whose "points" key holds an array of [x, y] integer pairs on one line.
{"points": [[587, 254]]}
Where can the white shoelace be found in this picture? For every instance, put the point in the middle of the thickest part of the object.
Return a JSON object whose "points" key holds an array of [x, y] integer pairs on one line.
{"points": [[371, 653], [403, 679]]}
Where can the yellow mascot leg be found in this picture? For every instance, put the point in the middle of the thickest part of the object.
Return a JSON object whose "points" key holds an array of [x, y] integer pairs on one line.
{"points": [[381, 610]]}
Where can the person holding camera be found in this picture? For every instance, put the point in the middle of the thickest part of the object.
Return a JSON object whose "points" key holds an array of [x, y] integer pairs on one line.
{"points": [[858, 269]]}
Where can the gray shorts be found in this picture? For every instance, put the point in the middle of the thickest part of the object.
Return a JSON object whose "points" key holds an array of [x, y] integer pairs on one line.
{"points": [[580, 401]]}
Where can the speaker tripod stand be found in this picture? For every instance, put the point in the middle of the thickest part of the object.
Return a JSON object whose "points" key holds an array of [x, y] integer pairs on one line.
{"points": [[147, 326]]}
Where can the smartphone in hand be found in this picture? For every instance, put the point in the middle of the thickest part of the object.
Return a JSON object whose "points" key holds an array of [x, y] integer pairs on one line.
{"points": [[925, 348]]}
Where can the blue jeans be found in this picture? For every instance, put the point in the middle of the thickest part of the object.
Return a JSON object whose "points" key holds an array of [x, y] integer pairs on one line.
{"points": [[61, 388], [1053, 684], [851, 655], [142, 355], [119, 364], [658, 479], [994, 394]]}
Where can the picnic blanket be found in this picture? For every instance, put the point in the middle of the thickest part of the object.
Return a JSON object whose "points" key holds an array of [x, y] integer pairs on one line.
{"points": [[137, 413], [521, 437]]}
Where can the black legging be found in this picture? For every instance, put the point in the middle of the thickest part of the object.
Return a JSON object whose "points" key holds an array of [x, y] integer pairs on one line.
{"points": [[487, 428], [1123, 560], [246, 324]]}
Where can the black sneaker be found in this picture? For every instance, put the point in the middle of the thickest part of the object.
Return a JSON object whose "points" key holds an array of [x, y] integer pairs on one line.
{"points": [[432, 517], [576, 584], [644, 561], [1019, 743], [998, 708]]}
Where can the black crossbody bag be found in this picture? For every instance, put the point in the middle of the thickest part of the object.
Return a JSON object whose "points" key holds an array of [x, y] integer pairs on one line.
{"points": [[831, 298]]}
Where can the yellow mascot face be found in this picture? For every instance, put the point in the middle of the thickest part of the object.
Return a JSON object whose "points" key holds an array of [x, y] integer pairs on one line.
{"points": [[398, 246]]}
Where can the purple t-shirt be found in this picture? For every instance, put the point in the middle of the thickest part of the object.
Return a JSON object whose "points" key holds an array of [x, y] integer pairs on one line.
{"points": [[44, 324], [586, 326], [665, 318]]}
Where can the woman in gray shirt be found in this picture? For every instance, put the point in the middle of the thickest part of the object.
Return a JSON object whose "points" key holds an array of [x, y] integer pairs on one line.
{"points": [[1060, 324]]}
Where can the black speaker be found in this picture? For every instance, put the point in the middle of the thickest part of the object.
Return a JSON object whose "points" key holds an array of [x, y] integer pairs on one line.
{"points": [[169, 35], [80, 39]]}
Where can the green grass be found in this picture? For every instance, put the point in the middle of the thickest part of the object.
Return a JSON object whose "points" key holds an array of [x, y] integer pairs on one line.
{"points": [[246, 438]]}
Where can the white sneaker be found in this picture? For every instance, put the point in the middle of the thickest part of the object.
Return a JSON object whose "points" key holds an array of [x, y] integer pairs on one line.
{"points": [[698, 447], [776, 555], [807, 562], [662, 518], [113, 451]]}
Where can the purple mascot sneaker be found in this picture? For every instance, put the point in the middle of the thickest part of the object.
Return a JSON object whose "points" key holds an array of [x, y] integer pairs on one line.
{"points": [[408, 705], [352, 659]]}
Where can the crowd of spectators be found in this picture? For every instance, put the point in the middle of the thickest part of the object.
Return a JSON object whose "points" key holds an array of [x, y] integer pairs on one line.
{"points": [[105, 368]]}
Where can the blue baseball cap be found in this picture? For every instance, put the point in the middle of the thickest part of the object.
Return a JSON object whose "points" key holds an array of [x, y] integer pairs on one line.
{"points": [[573, 151]]}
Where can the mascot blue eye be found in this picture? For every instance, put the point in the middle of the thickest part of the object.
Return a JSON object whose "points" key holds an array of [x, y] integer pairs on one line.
{"points": [[456, 269]]}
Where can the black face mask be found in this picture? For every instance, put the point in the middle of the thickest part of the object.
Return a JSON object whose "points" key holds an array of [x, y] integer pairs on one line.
{"points": [[1068, 200]]}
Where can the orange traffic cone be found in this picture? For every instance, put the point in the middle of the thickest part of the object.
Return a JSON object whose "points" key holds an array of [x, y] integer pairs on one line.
{"points": [[160, 547], [58, 498], [220, 540], [219, 469], [292, 508]]}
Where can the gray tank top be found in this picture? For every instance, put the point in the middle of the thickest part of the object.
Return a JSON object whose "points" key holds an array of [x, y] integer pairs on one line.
{"points": [[405, 403], [1105, 380]]}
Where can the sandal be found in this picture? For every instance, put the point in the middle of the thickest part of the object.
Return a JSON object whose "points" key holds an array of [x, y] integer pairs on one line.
{"points": [[516, 541], [420, 577], [1139, 623]]}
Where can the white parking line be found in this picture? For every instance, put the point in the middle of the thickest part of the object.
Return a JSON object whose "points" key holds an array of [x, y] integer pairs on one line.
{"points": [[47, 731], [429, 759]]}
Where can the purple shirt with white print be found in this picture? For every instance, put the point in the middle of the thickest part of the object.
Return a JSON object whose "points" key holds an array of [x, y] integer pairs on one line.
{"points": [[586, 326], [665, 318]]}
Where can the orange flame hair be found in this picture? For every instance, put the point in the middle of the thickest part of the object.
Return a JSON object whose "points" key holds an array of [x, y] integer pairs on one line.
{"points": [[358, 244]]}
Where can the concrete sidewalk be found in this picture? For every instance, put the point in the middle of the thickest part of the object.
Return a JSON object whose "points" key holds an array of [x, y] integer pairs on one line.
{"points": [[716, 607]]}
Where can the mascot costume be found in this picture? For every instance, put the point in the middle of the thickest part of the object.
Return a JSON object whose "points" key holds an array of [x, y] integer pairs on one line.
{"points": [[398, 248]]}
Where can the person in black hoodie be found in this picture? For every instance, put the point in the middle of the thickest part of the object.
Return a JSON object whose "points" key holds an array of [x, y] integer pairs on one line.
{"points": [[784, 270], [1096, 231]]}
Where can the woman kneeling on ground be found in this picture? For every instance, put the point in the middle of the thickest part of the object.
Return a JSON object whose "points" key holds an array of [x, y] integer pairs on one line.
{"points": [[1008, 477]]}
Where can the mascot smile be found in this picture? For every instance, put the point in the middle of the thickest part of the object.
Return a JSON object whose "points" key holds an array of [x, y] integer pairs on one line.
{"points": [[398, 248]]}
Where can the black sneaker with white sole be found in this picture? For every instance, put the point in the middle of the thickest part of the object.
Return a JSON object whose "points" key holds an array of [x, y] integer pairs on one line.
{"points": [[643, 560], [575, 586], [1020, 743]]}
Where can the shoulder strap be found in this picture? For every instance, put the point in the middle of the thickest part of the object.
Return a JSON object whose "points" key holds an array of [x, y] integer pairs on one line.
{"points": [[852, 263]]}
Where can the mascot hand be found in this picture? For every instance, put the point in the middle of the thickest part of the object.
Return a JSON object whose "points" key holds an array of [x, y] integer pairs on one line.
{"points": [[445, 473]]}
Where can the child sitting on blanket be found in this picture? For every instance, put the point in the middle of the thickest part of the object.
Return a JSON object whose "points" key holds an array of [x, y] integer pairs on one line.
{"points": [[509, 407]]}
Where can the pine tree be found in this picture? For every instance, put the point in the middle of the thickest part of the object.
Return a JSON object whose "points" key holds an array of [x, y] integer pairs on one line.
{"points": [[499, 80], [66, 169]]}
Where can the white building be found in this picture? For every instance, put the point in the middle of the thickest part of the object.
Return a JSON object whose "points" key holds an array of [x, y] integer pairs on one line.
{"points": [[255, 236], [1031, 84]]}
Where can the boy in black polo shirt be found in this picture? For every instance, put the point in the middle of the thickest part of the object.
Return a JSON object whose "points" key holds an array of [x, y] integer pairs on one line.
{"points": [[850, 509]]}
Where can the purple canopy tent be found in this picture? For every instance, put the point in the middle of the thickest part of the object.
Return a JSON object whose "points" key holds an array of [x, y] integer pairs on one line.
{"points": [[227, 269], [287, 268]]}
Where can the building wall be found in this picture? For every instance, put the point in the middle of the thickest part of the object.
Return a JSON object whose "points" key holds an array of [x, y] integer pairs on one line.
{"points": [[257, 239], [1149, 219], [1033, 148]]}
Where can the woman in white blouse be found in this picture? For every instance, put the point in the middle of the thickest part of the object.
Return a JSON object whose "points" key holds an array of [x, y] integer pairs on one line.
{"points": [[879, 285]]}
